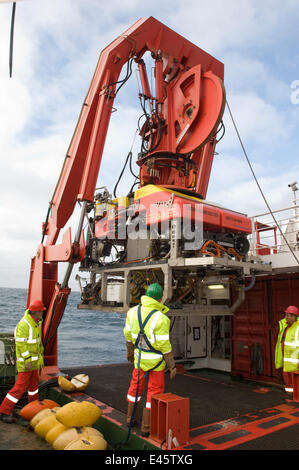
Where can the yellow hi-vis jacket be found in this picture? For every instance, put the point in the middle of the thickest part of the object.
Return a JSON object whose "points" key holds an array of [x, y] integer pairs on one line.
{"points": [[156, 330], [290, 359], [29, 347]]}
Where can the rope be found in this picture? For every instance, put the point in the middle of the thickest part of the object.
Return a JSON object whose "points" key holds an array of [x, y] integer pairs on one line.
{"points": [[258, 185]]}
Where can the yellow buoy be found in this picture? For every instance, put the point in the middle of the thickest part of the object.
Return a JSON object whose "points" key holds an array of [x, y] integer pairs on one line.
{"points": [[80, 382], [89, 432], [97, 443], [55, 432], [44, 426], [92, 410], [74, 434], [77, 383], [41, 415], [66, 384], [76, 414], [65, 438]]}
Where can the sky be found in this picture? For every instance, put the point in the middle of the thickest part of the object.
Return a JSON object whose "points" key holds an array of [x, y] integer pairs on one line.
{"points": [[57, 44]]}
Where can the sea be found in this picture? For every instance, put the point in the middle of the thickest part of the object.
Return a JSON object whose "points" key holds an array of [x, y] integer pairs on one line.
{"points": [[85, 337]]}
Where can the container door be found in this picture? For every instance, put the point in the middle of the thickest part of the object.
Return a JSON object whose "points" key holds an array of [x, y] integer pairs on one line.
{"points": [[250, 337], [255, 325]]}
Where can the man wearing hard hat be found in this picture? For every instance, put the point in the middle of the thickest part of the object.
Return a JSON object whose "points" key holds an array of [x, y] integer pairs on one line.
{"points": [[29, 357], [148, 347], [287, 346]]}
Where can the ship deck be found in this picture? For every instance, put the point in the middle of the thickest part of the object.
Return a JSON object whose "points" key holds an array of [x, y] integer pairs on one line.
{"points": [[225, 413]]}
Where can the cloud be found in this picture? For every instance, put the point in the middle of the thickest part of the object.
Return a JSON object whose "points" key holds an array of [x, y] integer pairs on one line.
{"points": [[258, 122], [250, 73], [233, 186], [218, 26], [13, 96]]}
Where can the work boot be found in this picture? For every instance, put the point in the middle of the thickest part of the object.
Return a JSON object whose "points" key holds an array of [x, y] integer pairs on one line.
{"points": [[145, 425], [129, 413], [9, 419]]}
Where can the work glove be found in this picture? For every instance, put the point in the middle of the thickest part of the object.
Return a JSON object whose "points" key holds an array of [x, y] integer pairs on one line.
{"points": [[130, 352], [168, 358]]}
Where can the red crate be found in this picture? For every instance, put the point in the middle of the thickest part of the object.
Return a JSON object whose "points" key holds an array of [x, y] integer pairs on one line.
{"points": [[169, 419]]}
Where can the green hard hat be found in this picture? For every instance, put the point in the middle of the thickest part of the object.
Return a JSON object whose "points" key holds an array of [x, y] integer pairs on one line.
{"points": [[155, 291]]}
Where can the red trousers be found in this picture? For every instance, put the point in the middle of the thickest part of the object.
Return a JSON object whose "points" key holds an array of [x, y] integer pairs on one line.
{"points": [[25, 381], [288, 381], [155, 385]]}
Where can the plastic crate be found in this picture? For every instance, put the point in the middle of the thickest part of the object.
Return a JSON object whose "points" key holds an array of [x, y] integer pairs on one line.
{"points": [[7, 358]]}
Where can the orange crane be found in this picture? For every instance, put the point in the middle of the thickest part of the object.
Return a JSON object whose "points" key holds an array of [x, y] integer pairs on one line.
{"points": [[178, 139]]}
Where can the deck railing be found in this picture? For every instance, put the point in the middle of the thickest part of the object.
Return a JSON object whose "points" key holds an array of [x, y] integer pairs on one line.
{"points": [[269, 237]]}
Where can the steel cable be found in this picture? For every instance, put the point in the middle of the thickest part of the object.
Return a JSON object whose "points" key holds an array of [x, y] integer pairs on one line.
{"points": [[258, 185]]}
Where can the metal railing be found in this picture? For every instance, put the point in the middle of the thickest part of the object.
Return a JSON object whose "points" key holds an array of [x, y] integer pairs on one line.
{"points": [[269, 237]]}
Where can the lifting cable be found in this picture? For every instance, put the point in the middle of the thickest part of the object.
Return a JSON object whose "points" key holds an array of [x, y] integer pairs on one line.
{"points": [[258, 185]]}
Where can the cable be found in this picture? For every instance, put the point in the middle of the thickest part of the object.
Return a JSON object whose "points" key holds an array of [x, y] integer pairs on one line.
{"points": [[48, 383], [129, 158], [144, 143], [258, 185], [121, 174], [145, 148], [122, 443], [221, 128], [124, 80], [173, 157], [12, 27], [131, 169]]}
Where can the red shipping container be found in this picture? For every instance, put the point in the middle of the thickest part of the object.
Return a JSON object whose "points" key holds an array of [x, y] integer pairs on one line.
{"points": [[254, 327]]}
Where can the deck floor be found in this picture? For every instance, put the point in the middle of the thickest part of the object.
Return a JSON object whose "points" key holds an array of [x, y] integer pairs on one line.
{"points": [[20, 437], [225, 413]]}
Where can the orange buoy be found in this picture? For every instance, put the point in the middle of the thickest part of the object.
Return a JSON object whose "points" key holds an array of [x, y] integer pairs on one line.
{"points": [[34, 407]]}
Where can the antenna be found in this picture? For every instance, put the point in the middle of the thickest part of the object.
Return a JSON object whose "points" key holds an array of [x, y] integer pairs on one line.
{"points": [[294, 188]]}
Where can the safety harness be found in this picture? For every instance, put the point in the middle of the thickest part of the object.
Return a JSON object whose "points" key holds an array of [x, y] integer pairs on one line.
{"points": [[142, 338]]}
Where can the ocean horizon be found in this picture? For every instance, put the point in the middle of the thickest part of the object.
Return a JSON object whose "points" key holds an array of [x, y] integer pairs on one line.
{"points": [[85, 337]]}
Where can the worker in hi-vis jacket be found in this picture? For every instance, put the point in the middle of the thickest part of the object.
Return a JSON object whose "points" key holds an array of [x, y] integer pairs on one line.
{"points": [[148, 347], [29, 358], [287, 346]]}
